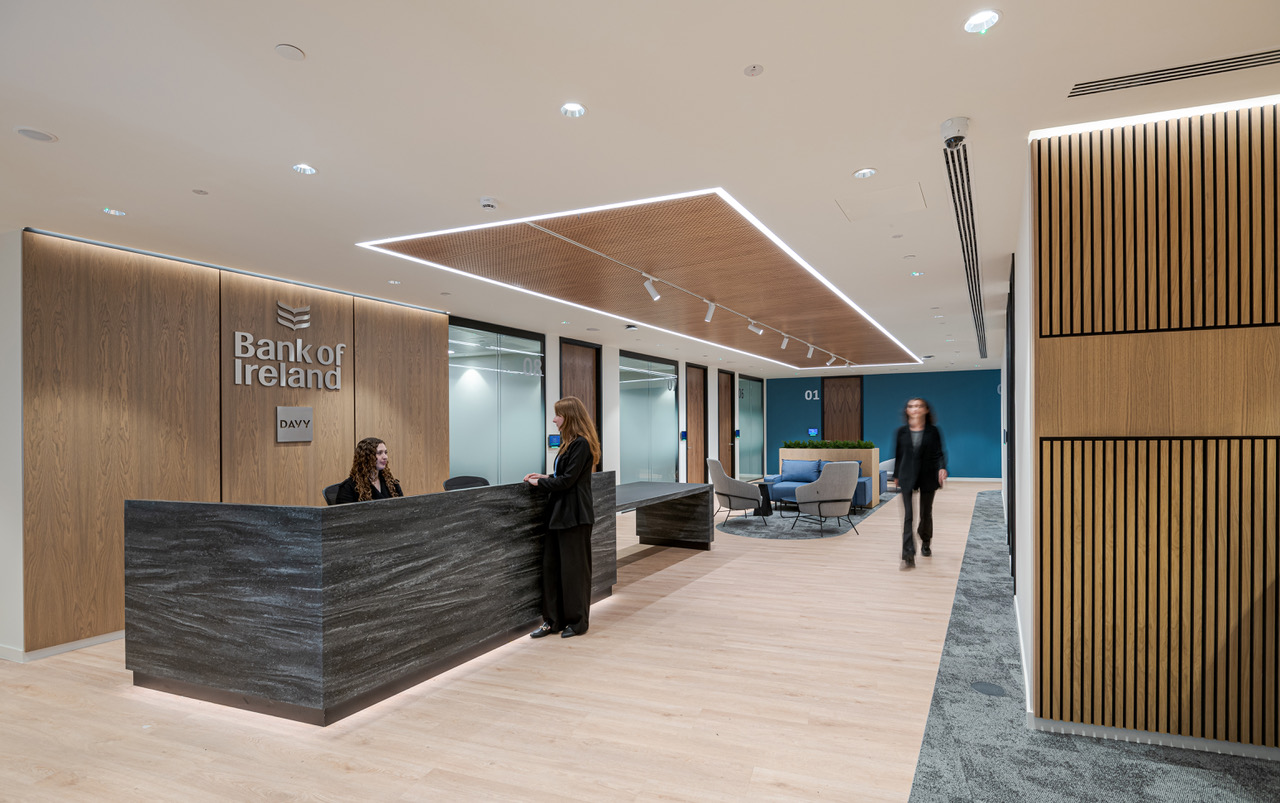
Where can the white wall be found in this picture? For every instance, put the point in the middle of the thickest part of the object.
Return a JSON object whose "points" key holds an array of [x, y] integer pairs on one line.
{"points": [[1024, 369], [11, 612], [610, 407]]}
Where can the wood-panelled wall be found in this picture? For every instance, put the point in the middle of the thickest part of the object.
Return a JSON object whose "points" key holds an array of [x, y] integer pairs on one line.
{"points": [[402, 355], [120, 401], [129, 393], [580, 376], [1156, 417], [1157, 569], [256, 469]]}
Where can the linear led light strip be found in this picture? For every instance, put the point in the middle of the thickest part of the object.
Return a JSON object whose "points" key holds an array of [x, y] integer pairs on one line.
{"points": [[1154, 117], [374, 245]]}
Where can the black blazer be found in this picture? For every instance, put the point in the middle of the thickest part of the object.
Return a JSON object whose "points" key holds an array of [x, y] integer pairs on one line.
{"points": [[571, 503], [923, 474], [347, 491]]}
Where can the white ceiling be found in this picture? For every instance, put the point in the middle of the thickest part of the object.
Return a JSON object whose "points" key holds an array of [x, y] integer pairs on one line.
{"points": [[412, 111]]}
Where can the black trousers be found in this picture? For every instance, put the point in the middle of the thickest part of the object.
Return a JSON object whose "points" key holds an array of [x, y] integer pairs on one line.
{"points": [[566, 578], [926, 518]]}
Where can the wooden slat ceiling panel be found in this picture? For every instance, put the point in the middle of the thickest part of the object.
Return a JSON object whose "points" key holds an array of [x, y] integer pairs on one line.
{"points": [[700, 244]]}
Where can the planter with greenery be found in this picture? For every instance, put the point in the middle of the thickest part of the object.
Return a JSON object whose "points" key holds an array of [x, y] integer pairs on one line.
{"points": [[863, 451]]}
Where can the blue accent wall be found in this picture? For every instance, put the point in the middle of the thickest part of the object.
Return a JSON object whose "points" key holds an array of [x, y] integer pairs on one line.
{"points": [[965, 403], [788, 414]]}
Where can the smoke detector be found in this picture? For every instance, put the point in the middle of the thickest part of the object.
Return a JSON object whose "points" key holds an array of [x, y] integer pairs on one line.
{"points": [[488, 204]]}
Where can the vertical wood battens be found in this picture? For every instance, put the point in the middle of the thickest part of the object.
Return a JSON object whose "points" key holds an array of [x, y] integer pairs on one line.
{"points": [[1158, 579], [1162, 226]]}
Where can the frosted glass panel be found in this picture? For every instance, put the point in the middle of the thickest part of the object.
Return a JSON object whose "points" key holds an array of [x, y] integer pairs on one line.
{"points": [[650, 420], [496, 415], [751, 427]]}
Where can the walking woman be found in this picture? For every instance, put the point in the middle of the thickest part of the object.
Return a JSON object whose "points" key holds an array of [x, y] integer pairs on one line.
{"points": [[920, 464], [566, 555]]}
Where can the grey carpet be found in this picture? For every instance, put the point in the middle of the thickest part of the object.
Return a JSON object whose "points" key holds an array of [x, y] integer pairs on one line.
{"points": [[779, 525], [978, 747]]}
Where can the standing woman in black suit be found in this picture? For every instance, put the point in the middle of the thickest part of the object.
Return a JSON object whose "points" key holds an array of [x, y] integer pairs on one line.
{"points": [[920, 463], [566, 554]]}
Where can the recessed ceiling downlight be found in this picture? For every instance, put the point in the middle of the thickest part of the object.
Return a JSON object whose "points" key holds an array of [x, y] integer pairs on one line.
{"points": [[866, 172], [290, 52], [304, 169], [36, 134], [572, 109], [114, 212], [982, 22]]}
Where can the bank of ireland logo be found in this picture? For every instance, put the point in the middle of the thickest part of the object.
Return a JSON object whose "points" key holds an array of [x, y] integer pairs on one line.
{"points": [[294, 319]]}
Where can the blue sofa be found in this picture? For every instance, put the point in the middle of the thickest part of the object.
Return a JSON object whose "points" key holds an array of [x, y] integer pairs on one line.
{"points": [[782, 486]]}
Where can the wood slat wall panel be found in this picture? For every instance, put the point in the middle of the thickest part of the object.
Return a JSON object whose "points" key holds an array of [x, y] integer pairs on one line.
{"points": [[1159, 226], [120, 401], [1157, 553], [695, 390], [1190, 639], [256, 469], [403, 384]]}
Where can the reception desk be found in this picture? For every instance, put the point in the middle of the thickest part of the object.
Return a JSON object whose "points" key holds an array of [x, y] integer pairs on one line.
{"points": [[313, 613]]}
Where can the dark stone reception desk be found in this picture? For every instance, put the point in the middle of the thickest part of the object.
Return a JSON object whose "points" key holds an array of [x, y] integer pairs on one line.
{"points": [[314, 613], [670, 513]]}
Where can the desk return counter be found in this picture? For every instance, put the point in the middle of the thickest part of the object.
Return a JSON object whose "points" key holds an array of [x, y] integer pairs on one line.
{"points": [[313, 613]]}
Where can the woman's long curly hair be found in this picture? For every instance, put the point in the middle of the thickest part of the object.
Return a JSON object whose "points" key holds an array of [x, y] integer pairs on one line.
{"points": [[577, 424], [364, 464]]}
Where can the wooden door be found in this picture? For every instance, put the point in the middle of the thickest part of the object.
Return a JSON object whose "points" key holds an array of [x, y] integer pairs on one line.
{"points": [[728, 410], [695, 404], [580, 376], [842, 408]]}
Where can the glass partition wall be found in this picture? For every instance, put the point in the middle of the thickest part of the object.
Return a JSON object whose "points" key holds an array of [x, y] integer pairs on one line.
{"points": [[650, 419], [751, 428], [496, 414]]}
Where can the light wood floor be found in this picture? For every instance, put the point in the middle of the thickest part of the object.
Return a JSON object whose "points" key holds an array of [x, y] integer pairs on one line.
{"points": [[761, 670]]}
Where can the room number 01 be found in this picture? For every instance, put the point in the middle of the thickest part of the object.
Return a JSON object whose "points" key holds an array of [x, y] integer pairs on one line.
{"points": [[811, 395]]}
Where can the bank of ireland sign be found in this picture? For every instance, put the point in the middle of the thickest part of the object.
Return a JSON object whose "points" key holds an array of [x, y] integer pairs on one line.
{"points": [[288, 363]]}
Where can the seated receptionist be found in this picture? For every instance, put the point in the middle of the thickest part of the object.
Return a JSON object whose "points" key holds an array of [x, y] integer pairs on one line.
{"points": [[370, 478]]}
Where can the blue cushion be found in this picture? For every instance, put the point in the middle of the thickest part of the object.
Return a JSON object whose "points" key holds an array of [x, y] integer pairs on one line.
{"points": [[801, 470]]}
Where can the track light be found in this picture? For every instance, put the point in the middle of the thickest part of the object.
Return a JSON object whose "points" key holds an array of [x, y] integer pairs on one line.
{"points": [[833, 359], [809, 356], [711, 310], [785, 341], [755, 327], [653, 291]]}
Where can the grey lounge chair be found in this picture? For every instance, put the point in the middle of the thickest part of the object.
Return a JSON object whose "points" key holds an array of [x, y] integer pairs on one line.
{"points": [[732, 494], [831, 496]]}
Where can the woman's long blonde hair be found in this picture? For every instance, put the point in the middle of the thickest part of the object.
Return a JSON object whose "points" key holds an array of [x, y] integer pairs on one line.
{"points": [[577, 424]]}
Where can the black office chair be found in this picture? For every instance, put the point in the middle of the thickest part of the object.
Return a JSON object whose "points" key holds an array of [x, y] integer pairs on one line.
{"points": [[331, 493], [463, 481]]}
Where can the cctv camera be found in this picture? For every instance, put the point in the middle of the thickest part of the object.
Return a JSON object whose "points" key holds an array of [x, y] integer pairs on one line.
{"points": [[488, 204], [954, 131]]}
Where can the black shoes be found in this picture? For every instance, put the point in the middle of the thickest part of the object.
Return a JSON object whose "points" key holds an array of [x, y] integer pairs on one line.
{"points": [[569, 633], [545, 629], [909, 558], [925, 550]]}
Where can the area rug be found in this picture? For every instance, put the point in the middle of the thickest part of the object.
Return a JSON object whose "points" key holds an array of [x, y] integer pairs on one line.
{"points": [[779, 527]]}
